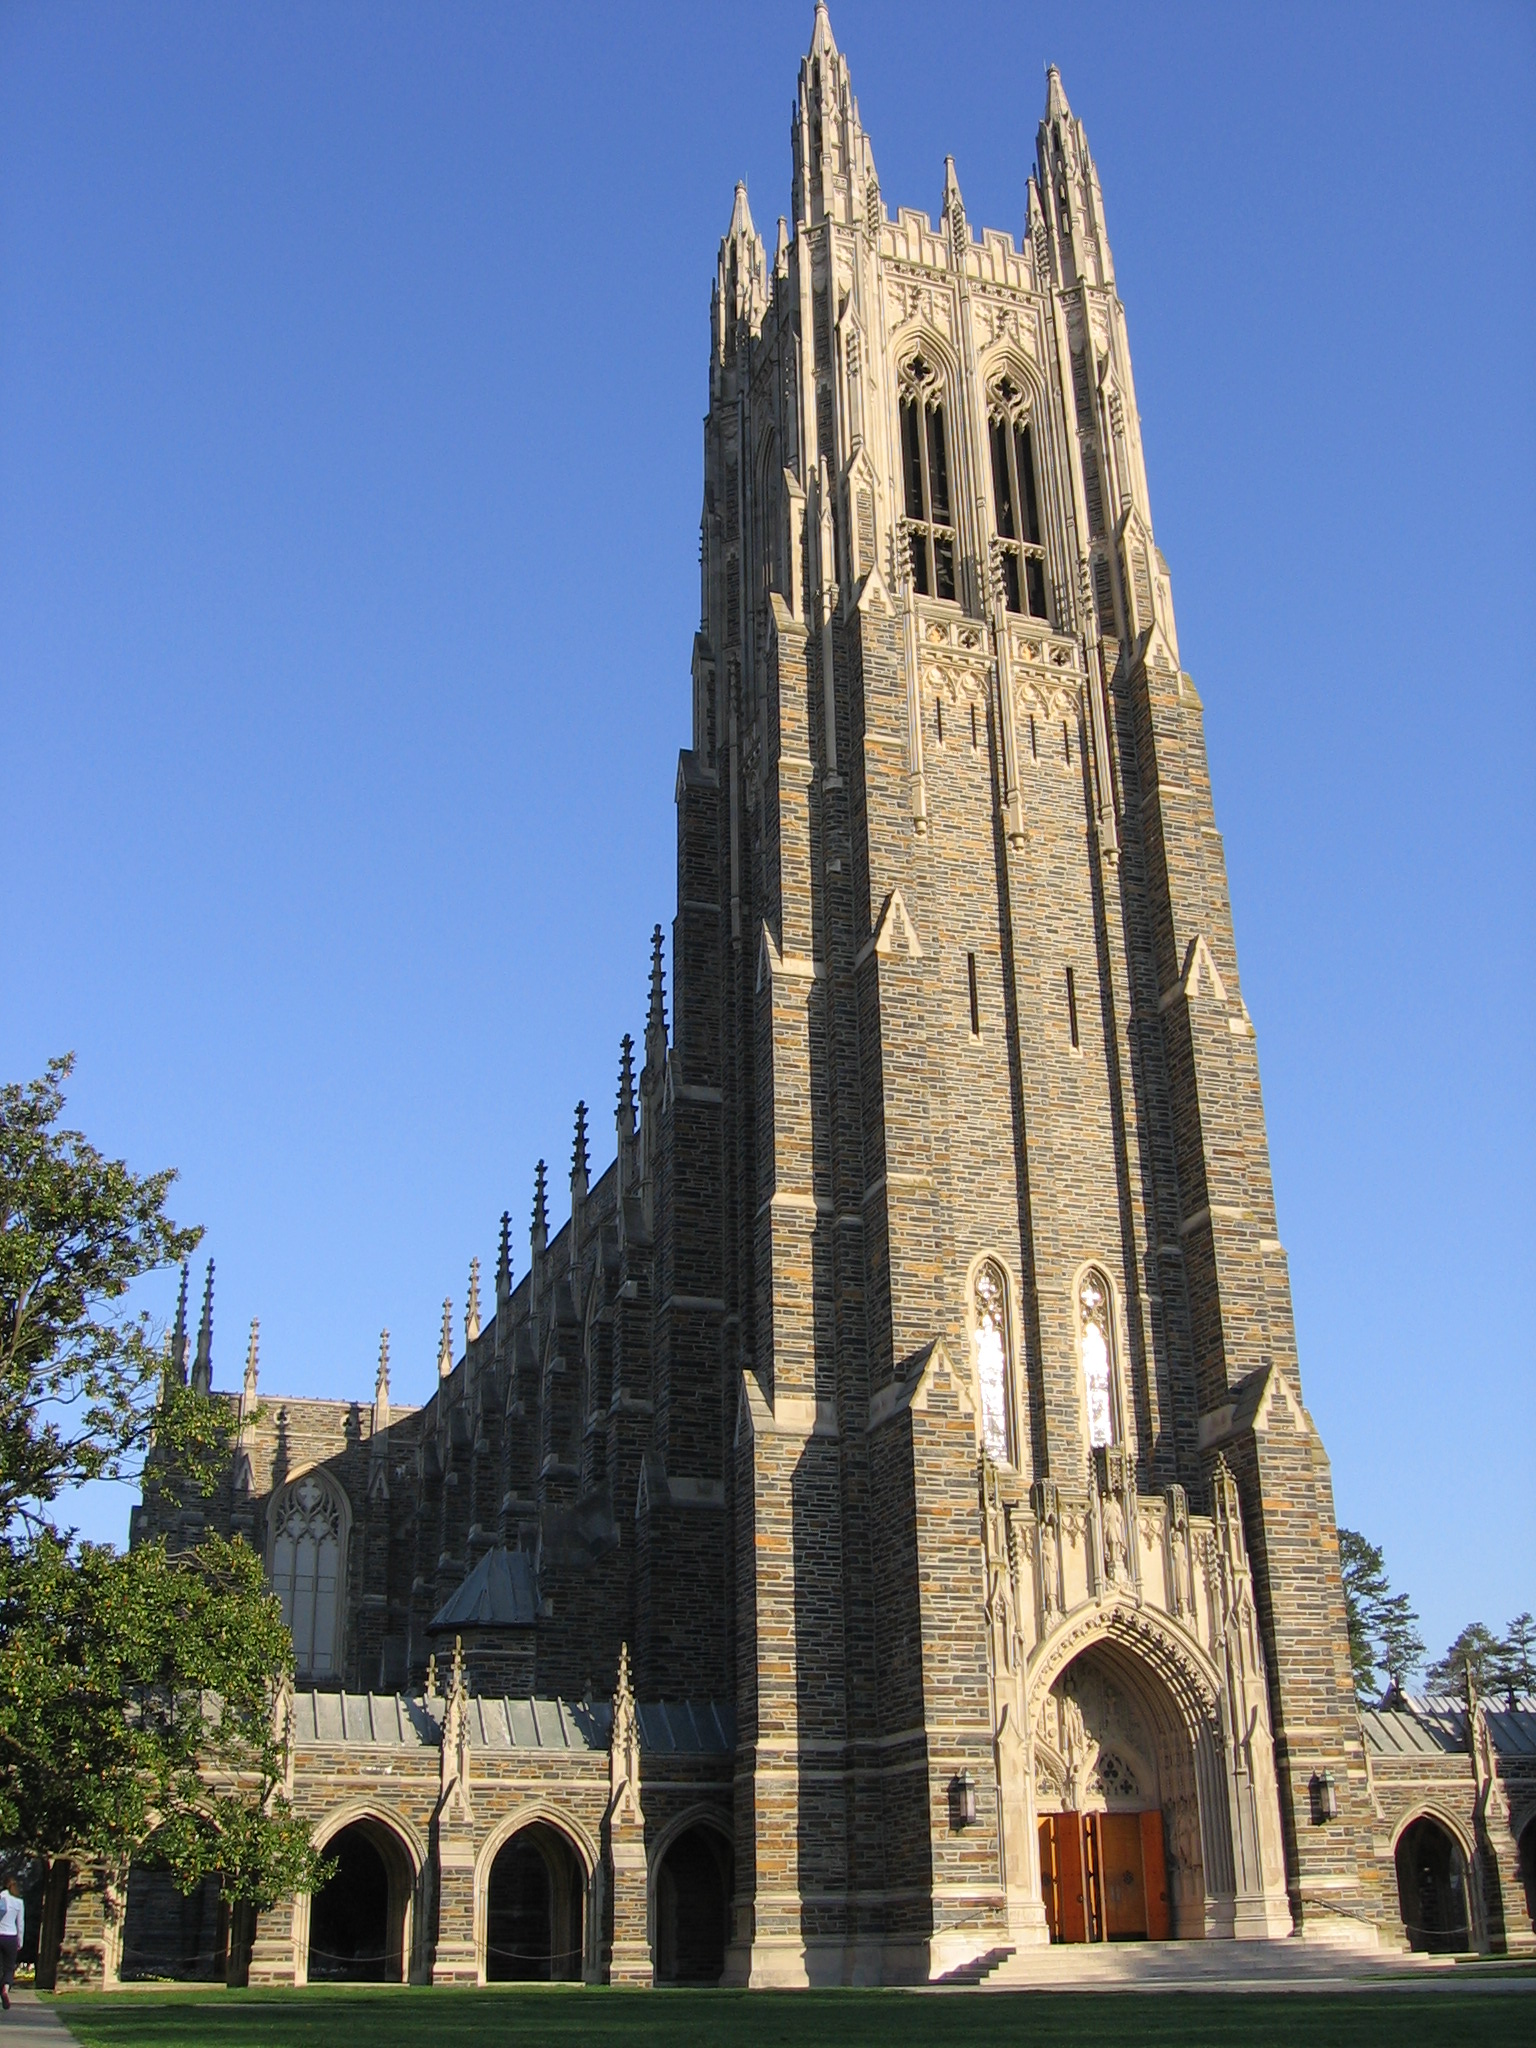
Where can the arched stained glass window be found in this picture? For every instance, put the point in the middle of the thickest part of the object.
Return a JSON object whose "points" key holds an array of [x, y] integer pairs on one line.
{"points": [[993, 1362], [930, 521], [309, 1524], [1097, 1347]]}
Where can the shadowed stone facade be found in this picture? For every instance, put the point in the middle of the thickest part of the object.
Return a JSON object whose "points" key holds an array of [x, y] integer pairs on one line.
{"points": [[916, 1395]]}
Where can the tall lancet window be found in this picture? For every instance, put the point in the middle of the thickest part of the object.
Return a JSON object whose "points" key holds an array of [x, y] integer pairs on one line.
{"points": [[993, 1361], [925, 470], [1016, 502], [309, 1531], [1096, 1345]]}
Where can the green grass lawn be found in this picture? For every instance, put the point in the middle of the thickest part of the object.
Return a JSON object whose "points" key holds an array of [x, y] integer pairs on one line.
{"points": [[442, 2017]]}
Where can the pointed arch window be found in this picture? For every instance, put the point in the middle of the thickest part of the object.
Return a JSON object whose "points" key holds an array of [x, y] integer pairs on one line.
{"points": [[1016, 502], [925, 472], [309, 1525], [992, 1354], [1096, 1347]]}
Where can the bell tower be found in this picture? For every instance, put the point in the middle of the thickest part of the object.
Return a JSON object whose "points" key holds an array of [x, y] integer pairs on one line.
{"points": [[1002, 1292]]}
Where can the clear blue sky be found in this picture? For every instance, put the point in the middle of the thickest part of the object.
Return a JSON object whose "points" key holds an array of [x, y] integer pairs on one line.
{"points": [[352, 362]]}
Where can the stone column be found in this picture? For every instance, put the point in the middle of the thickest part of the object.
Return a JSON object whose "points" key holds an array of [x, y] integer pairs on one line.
{"points": [[628, 1956]]}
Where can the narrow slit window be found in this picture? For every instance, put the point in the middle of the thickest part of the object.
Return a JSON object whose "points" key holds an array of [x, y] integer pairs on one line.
{"points": [[925, 478], [1034, 745], [970, 968], [1016, 502], [1066, 743], [974, 741], [938, 711], [1072, 1009]]}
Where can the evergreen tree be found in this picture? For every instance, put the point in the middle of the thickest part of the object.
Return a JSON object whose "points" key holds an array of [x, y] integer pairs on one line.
{"points": [[1476, 1646], [1515, 1671], [1365, 1588], [1400, 1646]]}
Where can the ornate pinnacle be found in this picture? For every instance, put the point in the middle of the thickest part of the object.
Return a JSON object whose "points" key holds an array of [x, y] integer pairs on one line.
{"points": [[179, 1333], [250, 1361], [504, 1260], [381, 1378], [656, 1017], [540, 1203], [445, 1345], [627, 1086], [472, 1312], [202, 1365], [579, 1148]]}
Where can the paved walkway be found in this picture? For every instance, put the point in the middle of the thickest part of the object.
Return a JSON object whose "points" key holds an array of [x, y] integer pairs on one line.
{"points": [[31, 2021]]}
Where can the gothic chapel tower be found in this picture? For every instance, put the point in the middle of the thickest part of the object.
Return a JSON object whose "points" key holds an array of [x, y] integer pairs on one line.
{"points": [[968, 1213]]}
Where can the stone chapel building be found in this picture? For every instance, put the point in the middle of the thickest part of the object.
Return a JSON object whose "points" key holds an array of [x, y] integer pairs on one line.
{"points": [[881, 1529]]}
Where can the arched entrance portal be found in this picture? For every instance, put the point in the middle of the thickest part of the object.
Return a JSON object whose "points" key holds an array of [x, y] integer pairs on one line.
{"points": [[1120, 1770], [1432, 1888], [359, 1921], [693, 1908], [533, 1909]]}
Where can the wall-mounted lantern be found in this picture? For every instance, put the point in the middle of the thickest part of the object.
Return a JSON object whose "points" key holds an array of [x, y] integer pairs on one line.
{"points": [[962, 1801], [1325, 1798]]}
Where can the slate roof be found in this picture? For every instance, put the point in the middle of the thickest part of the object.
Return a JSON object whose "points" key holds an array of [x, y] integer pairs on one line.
{"points": [[500, 1592], [395, 1721], [1435, 1724]]}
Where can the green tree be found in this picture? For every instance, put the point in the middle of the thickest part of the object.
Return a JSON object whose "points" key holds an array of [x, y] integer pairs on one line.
{"points": [[137, 1691], [1477, 1646], [1384, 1640], [1515, 1666], [1365, 1587], [1400, 1646], [139, 1700], [81, 1376]]}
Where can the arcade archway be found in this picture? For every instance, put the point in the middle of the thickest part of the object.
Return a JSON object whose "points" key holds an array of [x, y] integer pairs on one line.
{"points": [[359, 1920], [1432, 1890], [693, 1907], [533, 1909], [171, 1934]]}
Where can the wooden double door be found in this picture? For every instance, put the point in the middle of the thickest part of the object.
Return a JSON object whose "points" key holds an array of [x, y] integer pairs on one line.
{"points": [[1104, 1876]]}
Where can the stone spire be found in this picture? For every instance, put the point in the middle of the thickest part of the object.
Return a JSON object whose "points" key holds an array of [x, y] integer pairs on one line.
{"points": [[579, 1182], [243, 1477], [656, 1017], [1071, 202], [179, 1332], [445, 1343], [248, 1388], [624, 1116], [503, 1282], [833, 165], [378, 1436], [472, 1312], [740, 296], [538, 1237], [952, 214], [202, 1365]]}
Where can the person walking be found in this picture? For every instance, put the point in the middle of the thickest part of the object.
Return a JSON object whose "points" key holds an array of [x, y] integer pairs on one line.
{"points": [[13, 1924]]}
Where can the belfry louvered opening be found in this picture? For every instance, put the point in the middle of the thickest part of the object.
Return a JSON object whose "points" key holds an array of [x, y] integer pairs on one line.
{"points": [[925, 471], [1016, 503]]}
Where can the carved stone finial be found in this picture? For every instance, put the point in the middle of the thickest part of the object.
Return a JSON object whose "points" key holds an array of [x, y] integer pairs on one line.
{"points": [[248, 1389], [472, 1312], [540, 1206], [179, 1332], [202, 1365], [504, 1261], [579, 1161], [381, 1377], [445, 1343]]}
